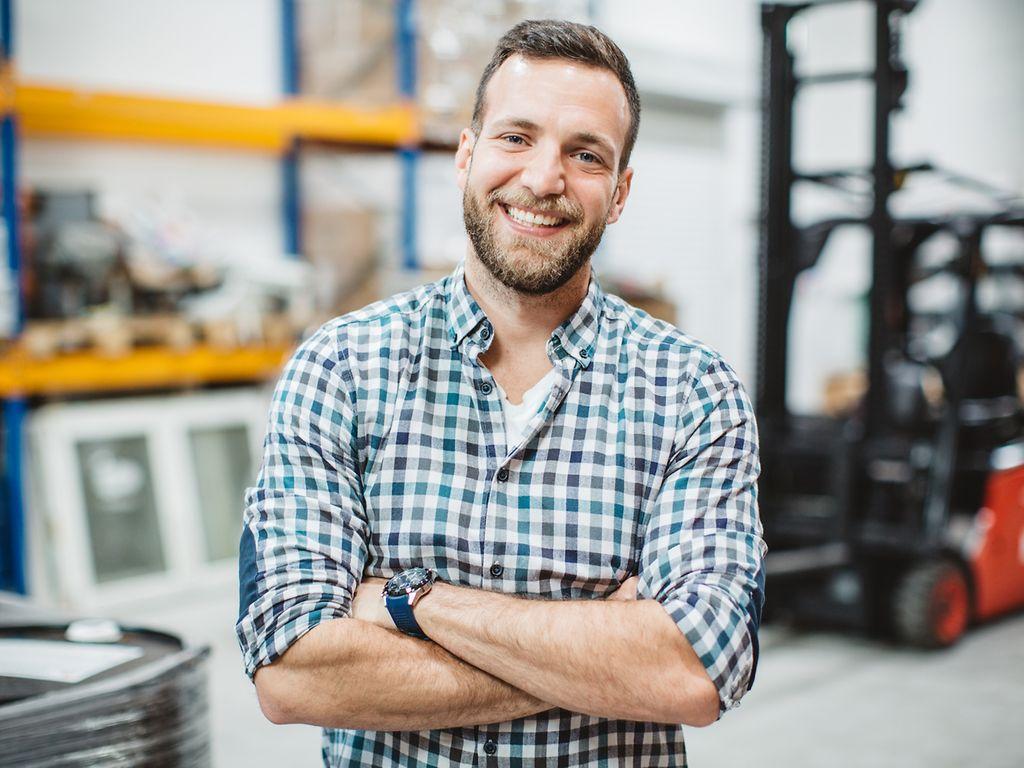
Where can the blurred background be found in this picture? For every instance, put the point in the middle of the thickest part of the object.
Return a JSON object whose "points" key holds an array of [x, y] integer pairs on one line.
{"points": [[829, 194]]}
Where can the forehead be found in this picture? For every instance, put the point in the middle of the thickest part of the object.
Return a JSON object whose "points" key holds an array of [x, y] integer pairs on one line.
{"points": [[557, 93]]}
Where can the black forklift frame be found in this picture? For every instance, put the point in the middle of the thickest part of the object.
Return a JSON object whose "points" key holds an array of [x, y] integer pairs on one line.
{"points": [[842, 493], [780, 239]]}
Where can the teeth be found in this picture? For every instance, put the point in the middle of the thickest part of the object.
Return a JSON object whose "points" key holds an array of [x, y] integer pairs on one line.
{"points": [[533, 219]]}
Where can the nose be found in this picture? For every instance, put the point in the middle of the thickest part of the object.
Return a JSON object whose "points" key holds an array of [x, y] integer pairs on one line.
{"points": [[544, 174]]}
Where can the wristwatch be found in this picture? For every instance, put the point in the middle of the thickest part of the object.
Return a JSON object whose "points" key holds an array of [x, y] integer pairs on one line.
{"points": [[401, 592]]}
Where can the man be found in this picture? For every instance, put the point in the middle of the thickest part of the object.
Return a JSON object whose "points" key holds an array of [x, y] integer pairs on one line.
{"points": [[514, 433]]}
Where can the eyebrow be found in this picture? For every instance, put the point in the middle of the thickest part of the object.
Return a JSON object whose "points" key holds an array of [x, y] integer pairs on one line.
{"points": [[516, 122], [582, 137]]}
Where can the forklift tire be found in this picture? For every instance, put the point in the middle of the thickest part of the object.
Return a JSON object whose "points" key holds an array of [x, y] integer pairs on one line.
{"points": [[931, 606]]}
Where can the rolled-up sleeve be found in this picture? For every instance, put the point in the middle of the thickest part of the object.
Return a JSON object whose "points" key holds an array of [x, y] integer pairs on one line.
{"points": [[303, 543], [703, 551]]}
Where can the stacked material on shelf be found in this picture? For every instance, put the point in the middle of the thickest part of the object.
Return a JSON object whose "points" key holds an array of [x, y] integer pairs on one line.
{"points": [[92, 693], [456, 40], [146, 274], [348, 52], [78, 262], [342, 244]]}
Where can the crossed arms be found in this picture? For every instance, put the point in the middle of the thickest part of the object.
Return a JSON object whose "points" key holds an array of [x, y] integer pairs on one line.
{"points": [[315, 636], [491, 658]]}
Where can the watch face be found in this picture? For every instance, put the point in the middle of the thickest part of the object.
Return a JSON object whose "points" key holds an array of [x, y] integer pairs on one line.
{"points": [[407, 581]]}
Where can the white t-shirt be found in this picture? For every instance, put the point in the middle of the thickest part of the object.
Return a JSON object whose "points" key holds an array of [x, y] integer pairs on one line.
{"points": [[518, 416]]}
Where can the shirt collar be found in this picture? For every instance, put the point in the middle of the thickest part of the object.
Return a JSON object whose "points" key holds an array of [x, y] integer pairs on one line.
{"points": [[464, 314], [576, 337]]}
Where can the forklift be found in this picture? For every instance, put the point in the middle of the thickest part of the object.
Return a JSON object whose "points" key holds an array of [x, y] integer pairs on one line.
{"points": [[902, 515]]}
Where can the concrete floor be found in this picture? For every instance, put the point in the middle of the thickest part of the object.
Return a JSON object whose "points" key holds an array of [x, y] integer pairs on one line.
{"points": [[837, 701], [820, 700]]}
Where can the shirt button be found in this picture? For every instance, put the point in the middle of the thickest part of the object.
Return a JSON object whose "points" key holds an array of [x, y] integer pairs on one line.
{"points": [[584, 353], [485, 388], [486, 332], [496, 570], [490, 747], [503, 474]]}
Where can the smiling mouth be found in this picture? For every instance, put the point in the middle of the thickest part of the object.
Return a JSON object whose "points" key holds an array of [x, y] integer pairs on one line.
{"points": [[531, 219]]}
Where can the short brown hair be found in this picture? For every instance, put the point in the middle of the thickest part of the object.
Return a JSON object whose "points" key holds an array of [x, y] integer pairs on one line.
{"points": [[552, 39]]}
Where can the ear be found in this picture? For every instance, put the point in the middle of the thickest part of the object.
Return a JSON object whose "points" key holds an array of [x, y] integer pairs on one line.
{"points": [[621, 193], [464, 156]]}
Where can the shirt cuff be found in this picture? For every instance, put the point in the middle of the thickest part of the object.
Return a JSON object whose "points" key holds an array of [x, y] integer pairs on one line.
{"points": [[720, 636], [269, 629]]}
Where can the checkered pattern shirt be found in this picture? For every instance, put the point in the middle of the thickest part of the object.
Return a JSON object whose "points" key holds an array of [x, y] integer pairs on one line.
{"points": [[386, 450]]}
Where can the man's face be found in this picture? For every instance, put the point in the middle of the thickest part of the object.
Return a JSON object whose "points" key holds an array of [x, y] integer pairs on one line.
{"points": [[541, 181]]}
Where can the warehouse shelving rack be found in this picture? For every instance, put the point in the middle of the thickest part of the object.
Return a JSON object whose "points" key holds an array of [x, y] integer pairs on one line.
{"points": [[50, 110]]}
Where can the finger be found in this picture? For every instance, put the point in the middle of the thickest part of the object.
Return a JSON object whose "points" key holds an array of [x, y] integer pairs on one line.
{"points": [[626, 590], [629, 587]]}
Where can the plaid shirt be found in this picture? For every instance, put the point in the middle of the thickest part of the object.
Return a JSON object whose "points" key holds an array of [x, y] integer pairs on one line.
{"points": [[386, 450]]}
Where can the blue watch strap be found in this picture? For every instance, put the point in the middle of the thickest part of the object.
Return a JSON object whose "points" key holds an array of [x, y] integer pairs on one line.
{"points": [[401, 614]]}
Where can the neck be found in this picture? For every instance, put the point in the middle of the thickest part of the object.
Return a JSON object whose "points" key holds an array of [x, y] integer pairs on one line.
{"points": [[524, 319]]}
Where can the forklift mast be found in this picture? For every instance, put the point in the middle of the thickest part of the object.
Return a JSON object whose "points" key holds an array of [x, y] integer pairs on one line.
{"points": [[780, 244]]}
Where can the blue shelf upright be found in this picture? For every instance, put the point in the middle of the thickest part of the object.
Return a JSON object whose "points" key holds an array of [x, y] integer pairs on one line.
{"points": [[409, 156], [12, 509], [291, 187]]}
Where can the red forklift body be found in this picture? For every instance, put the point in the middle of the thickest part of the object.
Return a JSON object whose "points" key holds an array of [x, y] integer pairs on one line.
{"points": [[998, 565]]}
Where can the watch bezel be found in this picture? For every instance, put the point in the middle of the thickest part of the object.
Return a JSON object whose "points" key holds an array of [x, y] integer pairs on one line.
{"points": [[408, 581]]}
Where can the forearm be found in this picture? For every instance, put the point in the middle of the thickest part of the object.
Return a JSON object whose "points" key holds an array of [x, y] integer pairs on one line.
{"points": [[347, 673], [607, 658]]}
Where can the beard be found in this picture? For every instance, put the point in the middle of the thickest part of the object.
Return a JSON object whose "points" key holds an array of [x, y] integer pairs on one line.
{"points": [[529, 265]]}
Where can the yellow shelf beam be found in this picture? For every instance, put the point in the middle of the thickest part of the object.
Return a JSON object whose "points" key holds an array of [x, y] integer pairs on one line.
{"points": [[145, 368], [47, 110]]}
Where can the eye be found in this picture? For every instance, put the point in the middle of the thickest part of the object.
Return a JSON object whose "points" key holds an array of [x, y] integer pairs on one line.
{"points": [[588, 157], [514, 139]]}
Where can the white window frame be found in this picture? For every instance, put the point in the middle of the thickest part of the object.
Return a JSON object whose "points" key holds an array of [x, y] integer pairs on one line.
{"points": [[62, 567]]}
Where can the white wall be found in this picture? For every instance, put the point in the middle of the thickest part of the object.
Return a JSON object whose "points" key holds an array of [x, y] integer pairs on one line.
{"points": [[724, 33], [965, 106], [690, 223], [227, 50]]}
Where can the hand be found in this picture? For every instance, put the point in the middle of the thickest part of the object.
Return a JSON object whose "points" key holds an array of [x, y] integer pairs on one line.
{"points": [[626, 590], [368, 604]]}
